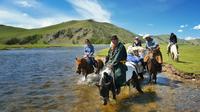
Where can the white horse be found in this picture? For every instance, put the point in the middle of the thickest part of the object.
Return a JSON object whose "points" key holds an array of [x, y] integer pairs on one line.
{"points": [[174, 52]]}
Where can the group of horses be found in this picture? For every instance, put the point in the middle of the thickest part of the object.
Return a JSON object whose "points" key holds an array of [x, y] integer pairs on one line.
{"points": [[132, 76]]}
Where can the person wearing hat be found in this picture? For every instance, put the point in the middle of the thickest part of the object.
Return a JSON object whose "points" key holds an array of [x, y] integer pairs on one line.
{"points": [[137, 42], [151, 44], [116, 60]]}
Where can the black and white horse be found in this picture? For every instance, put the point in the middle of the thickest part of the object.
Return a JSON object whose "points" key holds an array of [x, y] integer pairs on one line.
{"points": [[107, 82]]}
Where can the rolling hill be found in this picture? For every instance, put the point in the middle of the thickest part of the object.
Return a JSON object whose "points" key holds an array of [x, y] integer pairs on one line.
{"points": [[67, 32], [73, 32]]}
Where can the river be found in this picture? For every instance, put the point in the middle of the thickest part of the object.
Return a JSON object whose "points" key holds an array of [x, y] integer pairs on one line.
{"points": [[43, 80]]}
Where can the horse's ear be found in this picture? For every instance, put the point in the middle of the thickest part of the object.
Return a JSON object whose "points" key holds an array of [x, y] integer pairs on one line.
{"points": [[146, 58]]}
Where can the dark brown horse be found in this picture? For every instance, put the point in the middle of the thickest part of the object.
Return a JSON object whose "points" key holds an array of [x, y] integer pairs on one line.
{"points": [[84, 68], [152, 59]]}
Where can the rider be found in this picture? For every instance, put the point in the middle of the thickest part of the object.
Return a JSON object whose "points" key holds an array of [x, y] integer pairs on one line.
{"points": [[88, 52], [172, 40], [116, 60], [137, 42], [151, 44]]}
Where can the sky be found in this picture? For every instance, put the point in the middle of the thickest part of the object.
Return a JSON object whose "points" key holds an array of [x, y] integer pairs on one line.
{"points": [[154, 17]]}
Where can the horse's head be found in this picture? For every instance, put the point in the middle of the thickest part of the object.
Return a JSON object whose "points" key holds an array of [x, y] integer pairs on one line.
{"points": [[151, 55], [107, 70], [80, 64], [106, 84]]}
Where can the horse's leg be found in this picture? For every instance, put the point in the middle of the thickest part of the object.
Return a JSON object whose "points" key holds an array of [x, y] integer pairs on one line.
{"points": [[141, 76], [135, 82], [150, 76], [112, 88], [155, 77]]}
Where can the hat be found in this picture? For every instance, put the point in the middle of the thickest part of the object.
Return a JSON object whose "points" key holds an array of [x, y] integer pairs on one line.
{"points": [[136, 37], [147, 35], [114, 37]]}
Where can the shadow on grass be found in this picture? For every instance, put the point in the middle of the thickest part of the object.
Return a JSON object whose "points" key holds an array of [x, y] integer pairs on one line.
{"points": [[184, 62]]}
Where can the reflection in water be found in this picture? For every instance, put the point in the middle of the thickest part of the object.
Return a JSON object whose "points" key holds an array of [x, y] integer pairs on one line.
{"points": [[41, 80]]}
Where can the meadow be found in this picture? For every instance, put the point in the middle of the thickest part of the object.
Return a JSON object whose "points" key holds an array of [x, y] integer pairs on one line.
{"points": [[189, 59]]}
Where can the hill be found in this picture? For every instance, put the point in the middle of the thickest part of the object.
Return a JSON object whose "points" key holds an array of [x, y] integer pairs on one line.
{"points": [[165, 38], [72, 32]]}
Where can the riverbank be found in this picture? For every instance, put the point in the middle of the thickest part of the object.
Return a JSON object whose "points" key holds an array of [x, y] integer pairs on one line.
{"points": [[185, 75], [30, 46]]}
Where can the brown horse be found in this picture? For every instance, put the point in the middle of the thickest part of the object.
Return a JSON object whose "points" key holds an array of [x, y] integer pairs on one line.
{"points": [[84, 68], [152, 59]]}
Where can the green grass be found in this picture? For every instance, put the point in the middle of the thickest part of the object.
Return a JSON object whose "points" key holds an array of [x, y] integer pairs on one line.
{"points": [[189, 60]]}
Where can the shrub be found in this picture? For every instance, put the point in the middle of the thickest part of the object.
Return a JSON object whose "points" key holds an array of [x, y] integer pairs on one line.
{"points": [[31, 39], [13, 41]]}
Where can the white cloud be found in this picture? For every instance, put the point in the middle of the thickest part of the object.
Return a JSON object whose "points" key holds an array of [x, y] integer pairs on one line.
{"points": [[91, 9], [150, 24], [191, 38], [26, 21], [183, 26], [26, 3], [87, 9], [180, 30], [196, 27]]}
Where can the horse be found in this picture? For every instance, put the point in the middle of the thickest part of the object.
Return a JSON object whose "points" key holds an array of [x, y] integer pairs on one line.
{"points": [[152, 64], [174, 52], [84, 68], [107, 82]]}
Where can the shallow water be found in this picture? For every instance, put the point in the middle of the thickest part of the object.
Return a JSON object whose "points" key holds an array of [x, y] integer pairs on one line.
{"points": [[43, 80]]}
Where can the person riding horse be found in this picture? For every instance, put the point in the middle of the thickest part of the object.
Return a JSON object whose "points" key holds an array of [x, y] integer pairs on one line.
{"points": [[116, 60], [137, 42], [172, 40], [88, 52], [151, 44]]}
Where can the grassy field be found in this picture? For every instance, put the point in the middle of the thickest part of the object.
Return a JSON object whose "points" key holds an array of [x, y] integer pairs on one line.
{"points": [[29, 46], [189, 60]]}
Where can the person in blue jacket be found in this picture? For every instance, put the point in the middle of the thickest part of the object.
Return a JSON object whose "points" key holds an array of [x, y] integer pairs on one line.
{"points": [[89, 52]]}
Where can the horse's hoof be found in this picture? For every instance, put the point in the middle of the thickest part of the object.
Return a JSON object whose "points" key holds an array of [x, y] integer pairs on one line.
{"points": [[96, 84], [104, 102]]}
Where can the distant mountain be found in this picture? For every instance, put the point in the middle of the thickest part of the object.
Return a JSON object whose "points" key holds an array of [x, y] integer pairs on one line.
{"points": [[194, 41], [67, 32], [165, 39]]}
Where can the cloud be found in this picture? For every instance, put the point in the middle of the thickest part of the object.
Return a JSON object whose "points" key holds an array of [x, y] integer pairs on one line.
{"points": [[91, 9], [26, 21], [26, 3], [191, 38], [150, 24], [183, 26], [196, 27], [180, 30]]}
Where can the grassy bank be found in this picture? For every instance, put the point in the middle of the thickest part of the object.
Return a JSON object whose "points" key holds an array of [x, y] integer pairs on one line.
{"points": [[189, 60], [29, 46]]}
